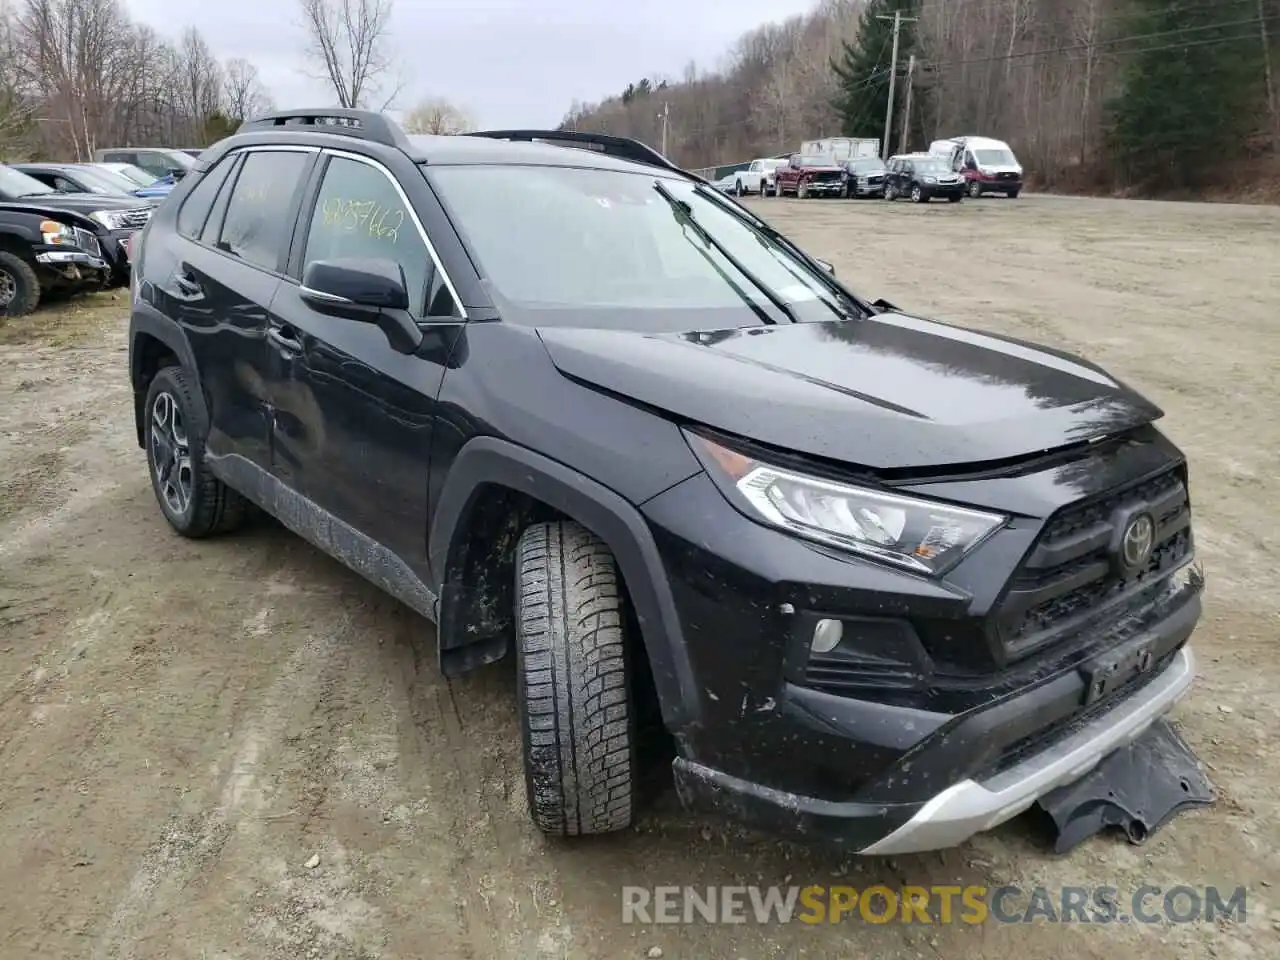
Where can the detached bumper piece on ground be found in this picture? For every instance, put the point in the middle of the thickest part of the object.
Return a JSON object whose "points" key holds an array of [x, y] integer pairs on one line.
{"points": [[1138, 789]]}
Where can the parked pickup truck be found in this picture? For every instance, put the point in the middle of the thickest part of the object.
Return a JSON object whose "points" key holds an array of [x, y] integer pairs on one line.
{"points": [[759, 177], [44, 250], [810, 176]]}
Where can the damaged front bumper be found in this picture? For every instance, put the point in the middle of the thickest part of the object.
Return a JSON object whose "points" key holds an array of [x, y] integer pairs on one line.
{"points": [[972, 806]]}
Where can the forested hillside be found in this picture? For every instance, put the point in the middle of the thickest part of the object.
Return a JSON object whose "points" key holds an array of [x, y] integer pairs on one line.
{"points": [[1156, 95]]}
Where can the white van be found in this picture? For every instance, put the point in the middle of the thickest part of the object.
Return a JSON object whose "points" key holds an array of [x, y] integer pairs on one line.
{"points": [[987, 165]]}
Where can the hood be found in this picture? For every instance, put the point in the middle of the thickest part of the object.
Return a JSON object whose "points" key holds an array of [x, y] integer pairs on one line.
{"points": [[890, 392], [53, 213], [1000, 168], [82, 203]]}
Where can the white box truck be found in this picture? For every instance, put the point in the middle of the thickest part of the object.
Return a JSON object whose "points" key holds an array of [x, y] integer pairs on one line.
{"points": [[842, 149]]}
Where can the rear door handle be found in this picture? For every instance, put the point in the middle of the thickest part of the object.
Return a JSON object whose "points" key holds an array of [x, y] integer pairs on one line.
{"points": [[284, 338]]}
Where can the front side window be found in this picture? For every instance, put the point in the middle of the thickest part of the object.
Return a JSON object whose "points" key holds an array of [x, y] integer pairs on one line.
{"points": [[360, 214], [600, 248], [257, 222]]}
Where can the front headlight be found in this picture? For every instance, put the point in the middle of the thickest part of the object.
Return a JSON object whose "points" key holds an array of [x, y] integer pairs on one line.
{"points": [[111, 219], [54, 233], [921, 535], [930, 179]]}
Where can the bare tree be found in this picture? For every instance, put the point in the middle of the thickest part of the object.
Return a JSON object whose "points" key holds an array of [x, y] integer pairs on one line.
{"points": [[17, 107], [437, 116], [348, 42], [245, 94]]}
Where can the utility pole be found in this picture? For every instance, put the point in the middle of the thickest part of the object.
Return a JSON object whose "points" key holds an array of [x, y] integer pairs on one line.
{"points": [[893, 76], [906, 110], [666, 112], [1271, 86]]}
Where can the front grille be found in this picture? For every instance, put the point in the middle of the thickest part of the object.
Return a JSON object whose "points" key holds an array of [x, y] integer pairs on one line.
{"points": [[134, 219], [1069, 578], [826, 177], [1006, 176], [874, 180], [87, 242]]}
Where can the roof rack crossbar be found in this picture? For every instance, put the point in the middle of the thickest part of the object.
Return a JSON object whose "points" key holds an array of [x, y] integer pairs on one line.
{"points": [[623, 148], [363, 124]]}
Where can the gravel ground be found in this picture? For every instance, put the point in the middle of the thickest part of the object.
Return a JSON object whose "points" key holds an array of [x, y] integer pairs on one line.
{"points": [[236, 749]]}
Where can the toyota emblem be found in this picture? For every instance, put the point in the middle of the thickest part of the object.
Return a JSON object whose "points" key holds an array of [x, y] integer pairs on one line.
{"points": [[1135, 545]]}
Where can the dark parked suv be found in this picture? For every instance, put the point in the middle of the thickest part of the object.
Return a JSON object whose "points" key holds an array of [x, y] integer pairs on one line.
{"points": [[883, 580], [922, 177]]}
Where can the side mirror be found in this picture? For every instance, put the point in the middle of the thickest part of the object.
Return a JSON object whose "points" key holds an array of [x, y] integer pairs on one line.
{"points": [[365, 290], [177, 173], [829, 267]]}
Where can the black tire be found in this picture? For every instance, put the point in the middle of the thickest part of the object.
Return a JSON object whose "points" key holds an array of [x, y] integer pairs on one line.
{"points": [[955, 199], [19, 286], [1013, 194], [577, 718], [918, 195], [737, 189], [890, 194], [209, 506], [975, 189]]}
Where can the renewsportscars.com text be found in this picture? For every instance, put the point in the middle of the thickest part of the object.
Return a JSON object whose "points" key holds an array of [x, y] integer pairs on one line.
{"points": [[938, 904]]}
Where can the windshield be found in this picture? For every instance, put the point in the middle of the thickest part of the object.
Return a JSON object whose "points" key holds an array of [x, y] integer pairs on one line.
{"points": [[995, 158], [603, 248], [932, 167], [130, 172], [869, 165], [102, 181], [818, 160], [177, 158], [15, 183], [772, 164]]}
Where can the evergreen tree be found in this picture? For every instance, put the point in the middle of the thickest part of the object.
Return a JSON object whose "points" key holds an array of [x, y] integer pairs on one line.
{"points": [[1183, 109], [863, 68]]}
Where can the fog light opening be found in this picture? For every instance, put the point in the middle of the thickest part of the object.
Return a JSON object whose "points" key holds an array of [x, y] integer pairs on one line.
{"points": [[826, 636]]}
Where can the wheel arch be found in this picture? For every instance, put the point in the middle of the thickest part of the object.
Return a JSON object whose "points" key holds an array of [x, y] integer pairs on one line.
{"points": [[154, 342], [471, 630]]}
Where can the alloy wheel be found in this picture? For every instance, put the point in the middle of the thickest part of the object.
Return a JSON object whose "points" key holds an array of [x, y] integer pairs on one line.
{"points": [[170, 453], [8, 289]]}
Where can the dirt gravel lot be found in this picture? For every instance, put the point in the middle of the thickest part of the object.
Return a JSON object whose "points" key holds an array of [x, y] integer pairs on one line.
{"points": [[184, 726]]}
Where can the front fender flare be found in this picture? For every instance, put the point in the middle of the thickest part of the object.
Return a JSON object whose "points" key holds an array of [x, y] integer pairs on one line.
{"points": [[489, 460], [146, 320]]}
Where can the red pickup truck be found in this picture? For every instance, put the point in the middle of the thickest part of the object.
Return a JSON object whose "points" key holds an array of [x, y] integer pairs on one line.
{"points": [[810, 176]]}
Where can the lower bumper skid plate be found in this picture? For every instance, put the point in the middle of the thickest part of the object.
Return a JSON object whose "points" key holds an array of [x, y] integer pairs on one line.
{"points": [[1138, 788]]}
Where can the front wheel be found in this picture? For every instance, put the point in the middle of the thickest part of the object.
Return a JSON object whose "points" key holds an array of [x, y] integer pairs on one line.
{"points": [[975, 189], [737, 189], [917, 195], [19, 286], [1013, 194], [890, 193], [802, 192], [955, 198], [577, 715]]}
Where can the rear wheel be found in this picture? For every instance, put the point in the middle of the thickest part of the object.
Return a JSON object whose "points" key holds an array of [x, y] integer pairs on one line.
{"points": [[19, 286], [737, 189], [956, 198], [575, 695], [195, 502]]}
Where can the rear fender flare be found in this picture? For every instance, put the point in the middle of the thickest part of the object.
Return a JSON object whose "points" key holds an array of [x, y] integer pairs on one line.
{"points": [[489, 460], [147, 321]]}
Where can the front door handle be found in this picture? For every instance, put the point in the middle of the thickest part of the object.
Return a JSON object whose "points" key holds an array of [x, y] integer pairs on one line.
{"points": [[187, 285], [284, 338]]}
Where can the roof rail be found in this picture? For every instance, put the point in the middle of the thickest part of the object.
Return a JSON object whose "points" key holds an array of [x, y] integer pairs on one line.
{"points": [[364, 124], [624, 148]]}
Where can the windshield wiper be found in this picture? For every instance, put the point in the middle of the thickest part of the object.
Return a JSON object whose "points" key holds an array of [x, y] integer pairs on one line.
{"points": [[858, 308], [683, 212]]}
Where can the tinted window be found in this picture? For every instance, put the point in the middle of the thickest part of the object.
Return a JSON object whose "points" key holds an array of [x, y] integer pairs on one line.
{"points": [[15, 183], [360, 214], [195, 209], [256, 225]]}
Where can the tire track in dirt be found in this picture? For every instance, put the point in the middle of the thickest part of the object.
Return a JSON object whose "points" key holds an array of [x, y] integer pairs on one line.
{"points": [[194, 837]]}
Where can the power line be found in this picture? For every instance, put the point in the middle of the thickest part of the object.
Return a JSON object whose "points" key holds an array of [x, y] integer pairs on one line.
{"points": [[1104, 43]]}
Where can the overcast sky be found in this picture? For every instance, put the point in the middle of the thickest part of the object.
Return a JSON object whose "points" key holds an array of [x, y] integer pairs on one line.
{"points": [[508, 62]]}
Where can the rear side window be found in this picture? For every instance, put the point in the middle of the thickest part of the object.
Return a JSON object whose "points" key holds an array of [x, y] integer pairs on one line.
{"points": [[195, 209], [257, 222]]}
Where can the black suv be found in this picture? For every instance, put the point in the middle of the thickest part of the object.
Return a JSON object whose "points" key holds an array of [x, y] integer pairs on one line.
{"points": [[922, 177], [115, 219], [881, 579]]}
